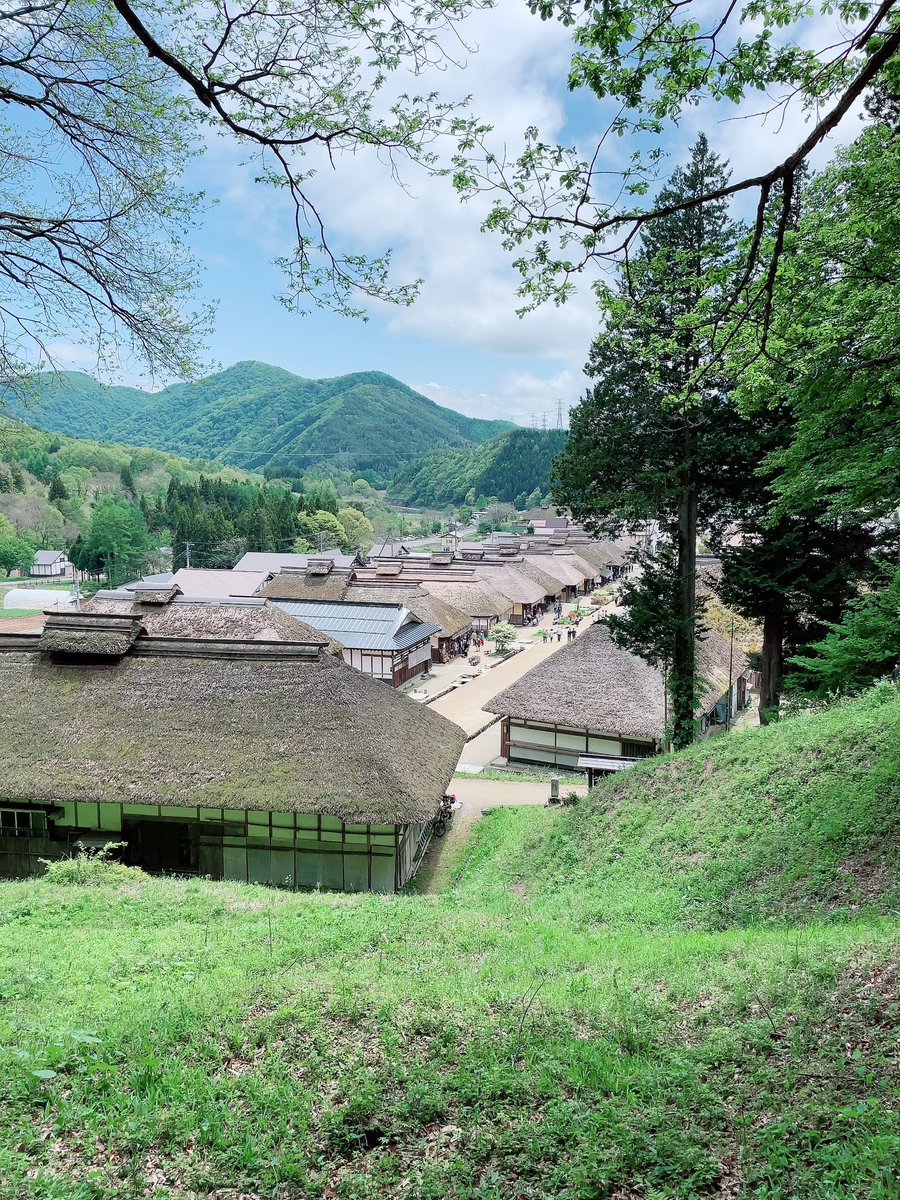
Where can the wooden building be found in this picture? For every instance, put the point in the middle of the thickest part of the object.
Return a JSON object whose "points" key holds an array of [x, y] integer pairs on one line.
{"points": [[454, 628], [259, 759], [594, 706], [51, 564], [384, 640]]}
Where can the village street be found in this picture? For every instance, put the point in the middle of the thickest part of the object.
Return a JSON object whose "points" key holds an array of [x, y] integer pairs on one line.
{"points": [[464, 705]]}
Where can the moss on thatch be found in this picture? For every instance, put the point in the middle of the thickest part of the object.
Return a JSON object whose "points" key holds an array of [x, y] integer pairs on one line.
{"points": [[589, 684], [238, 733], [306, 585], [511, 583], [594, 684], [474, 598]]}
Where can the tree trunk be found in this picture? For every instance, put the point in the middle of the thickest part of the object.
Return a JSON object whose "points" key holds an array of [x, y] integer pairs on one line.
{"points": [[772, 665], [683, 678]]}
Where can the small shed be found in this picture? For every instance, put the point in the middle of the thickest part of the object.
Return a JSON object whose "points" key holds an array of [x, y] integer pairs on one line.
{"points": [[51, 564]]}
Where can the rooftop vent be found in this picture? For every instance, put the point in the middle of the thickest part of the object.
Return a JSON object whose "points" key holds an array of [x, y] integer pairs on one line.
{"points": [[320, 566], [106, 637], [388, 568]]}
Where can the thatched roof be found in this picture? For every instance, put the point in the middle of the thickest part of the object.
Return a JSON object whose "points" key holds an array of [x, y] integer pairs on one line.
{"points": [[566, 564], [590, 683], [475, 598], [190, 727], [533, 566], [248, 621], [306, 585], [714, 657], [511, 583], [599, 554]]}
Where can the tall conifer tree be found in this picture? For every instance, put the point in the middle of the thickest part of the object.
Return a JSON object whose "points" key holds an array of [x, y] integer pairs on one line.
{"points": [[657, 438]]}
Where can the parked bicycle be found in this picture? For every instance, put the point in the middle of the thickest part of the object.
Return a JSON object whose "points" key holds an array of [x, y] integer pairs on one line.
{"points": [[442, 821]]}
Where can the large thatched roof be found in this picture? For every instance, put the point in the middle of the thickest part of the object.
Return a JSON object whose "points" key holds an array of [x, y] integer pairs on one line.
{"points": [[539, 568], [590, 683], [247, 621], [511, 583], [474, 598], [181, 724], [304, 585]]}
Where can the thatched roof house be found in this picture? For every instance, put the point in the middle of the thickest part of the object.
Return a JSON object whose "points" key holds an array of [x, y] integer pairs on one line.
{"points": [[476, 599], [260, 760], [594, 699], [590, 683]]}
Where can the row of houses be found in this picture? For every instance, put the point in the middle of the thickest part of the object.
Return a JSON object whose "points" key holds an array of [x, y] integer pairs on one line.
{"points": [[396, 613]]}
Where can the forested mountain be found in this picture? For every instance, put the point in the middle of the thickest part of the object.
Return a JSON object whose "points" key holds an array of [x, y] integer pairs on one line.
{"points": [[510, 466], [254, 415]]}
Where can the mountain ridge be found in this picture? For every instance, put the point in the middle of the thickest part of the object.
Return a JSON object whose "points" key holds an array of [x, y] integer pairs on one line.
{"points": [[255, 415]]}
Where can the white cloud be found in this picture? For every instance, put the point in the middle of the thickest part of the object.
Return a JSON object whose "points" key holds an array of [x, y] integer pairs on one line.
{"points": [[522, 396]]}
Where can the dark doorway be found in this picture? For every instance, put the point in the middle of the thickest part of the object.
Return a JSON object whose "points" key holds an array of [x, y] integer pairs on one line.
{"points": [[159, 846]]}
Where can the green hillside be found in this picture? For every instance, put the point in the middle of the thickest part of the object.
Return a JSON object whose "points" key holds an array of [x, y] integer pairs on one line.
{"points": [[687, 987], [795, 821], [510, 466], [254, 415]]}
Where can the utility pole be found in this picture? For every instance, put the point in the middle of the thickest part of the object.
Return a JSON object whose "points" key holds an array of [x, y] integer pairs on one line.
{"points": [[188, 546], [730, 677], [544, 422]]}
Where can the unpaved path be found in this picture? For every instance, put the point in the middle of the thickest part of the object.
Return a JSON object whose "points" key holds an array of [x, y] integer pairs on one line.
{"points": [[476, 796]]}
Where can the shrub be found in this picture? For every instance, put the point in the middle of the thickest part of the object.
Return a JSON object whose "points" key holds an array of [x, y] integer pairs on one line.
{"points": [[91, 868]]}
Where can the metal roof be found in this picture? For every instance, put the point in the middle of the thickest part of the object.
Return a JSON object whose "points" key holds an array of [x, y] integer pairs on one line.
{"points": [[362, 626], [264, 561], [46, 558]]}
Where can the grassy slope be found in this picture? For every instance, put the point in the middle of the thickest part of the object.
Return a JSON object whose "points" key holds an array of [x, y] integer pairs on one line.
{"points": [[216, 1040]]}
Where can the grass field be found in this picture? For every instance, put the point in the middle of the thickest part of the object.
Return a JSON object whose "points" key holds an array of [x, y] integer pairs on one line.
{"points": [[640, 997], [7, 614]]}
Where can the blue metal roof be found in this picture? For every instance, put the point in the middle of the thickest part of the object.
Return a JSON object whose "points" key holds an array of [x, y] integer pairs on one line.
{"points": [[360, 626]]}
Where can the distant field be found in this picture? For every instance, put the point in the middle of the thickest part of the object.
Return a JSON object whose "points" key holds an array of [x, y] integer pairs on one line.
{"points": [[6, 614]]}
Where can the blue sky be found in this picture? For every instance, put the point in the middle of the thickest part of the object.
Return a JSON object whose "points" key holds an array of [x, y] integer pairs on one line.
{"points": [[461, 343]]}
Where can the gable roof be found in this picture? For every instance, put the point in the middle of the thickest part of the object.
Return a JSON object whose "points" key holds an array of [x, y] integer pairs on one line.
{"points": [[178, 723], [424, 605], [199, 584], [362, 626], [268, 561], [473, 597], [248, 620], [511, 583], [46, 558]]}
